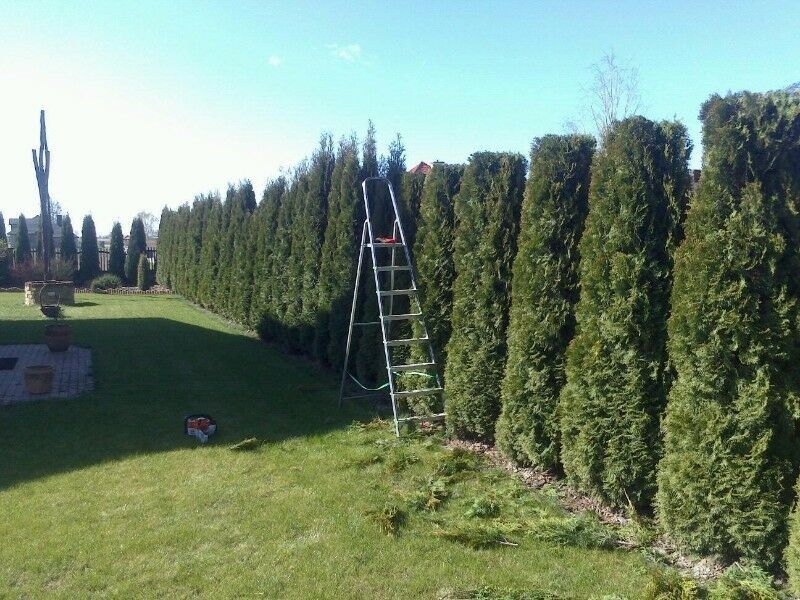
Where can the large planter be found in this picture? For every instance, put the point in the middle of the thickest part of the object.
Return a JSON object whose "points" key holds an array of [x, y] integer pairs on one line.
{"points": [[39, 379], [58, 337], [65, 289]]}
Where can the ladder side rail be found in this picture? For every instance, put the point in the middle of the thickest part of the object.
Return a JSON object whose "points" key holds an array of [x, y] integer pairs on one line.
{"points": [[413, 275], [386, 354], [352, 314]]}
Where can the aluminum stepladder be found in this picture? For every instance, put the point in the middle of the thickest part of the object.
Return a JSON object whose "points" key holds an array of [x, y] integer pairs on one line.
{"points": [[386, 314]]}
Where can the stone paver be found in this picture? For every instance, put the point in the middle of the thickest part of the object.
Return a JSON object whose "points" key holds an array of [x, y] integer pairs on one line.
{"points": [[73, 372]]}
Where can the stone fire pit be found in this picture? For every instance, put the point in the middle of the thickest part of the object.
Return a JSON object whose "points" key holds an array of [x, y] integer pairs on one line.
{"points": [[65, 289]]}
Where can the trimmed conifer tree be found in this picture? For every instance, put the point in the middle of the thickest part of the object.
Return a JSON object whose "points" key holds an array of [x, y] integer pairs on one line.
{"points": [[267, 218], [90, 255], [617, 364], [143, 273], [68, 249], [315, 221], [164, 264], [22, 250], [337, 254], [487, 215], [544, 292], [116, 252], [370, 361], [209, 255], [293, 278], [3, 237], [137, 243], [433, 258], [725, 482]]}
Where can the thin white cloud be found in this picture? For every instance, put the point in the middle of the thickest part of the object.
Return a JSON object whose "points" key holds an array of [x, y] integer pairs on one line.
{"points": [[349, 53], [275, 61]]}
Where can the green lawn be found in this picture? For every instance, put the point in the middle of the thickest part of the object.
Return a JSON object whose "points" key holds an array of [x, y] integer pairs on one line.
{"points": [[103, 495]]}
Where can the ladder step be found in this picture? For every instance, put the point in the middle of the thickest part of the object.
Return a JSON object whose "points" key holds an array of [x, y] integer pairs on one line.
{"points": [[397, 292], [422, 392], [384, 244], [407, 341], [408, 317], [363, 323], [413, 366], [423, 417], [393, 268]]}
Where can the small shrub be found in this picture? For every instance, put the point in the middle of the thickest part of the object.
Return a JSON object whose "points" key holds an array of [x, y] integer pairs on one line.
{"points": [[389, 518], [105, 282]]}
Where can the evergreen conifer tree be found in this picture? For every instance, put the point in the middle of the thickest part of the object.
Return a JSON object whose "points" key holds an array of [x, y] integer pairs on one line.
{"points": [[730, 445], [616, 364], [267, 218], [69, 252], [433, 256], [369, 360], [137, 243], [209, 255], [164, 249], [116, 252], [487, 215], [543, 297], [3, 237], [90, 255], [22, 250], [315, 220], [292, 324], [143, 273], [339, 256]]}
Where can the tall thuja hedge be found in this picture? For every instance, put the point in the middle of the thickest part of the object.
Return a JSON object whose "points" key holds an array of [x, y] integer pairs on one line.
{"points": [[90, 256], [616, 364], [137, 243], [209, 253], [234, 284], [433, 258], [726, 478], [22, 249], [543, 296], [487, 213], [68, 249], [3, 237], [339, 252], [369, 361], [116, 252], [292, 286], [314, 225], [266, 224]]}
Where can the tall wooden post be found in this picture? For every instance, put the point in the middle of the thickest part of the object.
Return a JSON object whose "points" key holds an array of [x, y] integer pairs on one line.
{"points": [[41, 164]]}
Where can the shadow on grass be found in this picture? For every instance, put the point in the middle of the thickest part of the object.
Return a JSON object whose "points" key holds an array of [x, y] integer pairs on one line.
{"points": [[82, 304], [149, 373]]}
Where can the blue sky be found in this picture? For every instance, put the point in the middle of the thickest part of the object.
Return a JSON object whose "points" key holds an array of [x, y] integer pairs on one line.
{"points": [[150, 103]]}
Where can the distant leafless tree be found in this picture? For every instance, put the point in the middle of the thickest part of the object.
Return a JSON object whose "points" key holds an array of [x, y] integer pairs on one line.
{"points": [[614, 93], [150, 223]]}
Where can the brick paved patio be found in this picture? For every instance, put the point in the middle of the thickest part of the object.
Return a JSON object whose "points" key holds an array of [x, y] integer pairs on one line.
{"points": [[73, 372]]}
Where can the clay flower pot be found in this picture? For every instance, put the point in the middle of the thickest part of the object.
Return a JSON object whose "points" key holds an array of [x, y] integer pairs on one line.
{"points": [[58, 336], [39, 379]]}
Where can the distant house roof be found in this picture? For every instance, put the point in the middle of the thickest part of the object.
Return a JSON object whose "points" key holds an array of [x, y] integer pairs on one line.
{"points": [[422, 167]]}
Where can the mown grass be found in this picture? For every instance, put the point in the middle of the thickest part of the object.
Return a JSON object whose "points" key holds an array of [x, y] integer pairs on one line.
{"points": [[103, 495]]}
